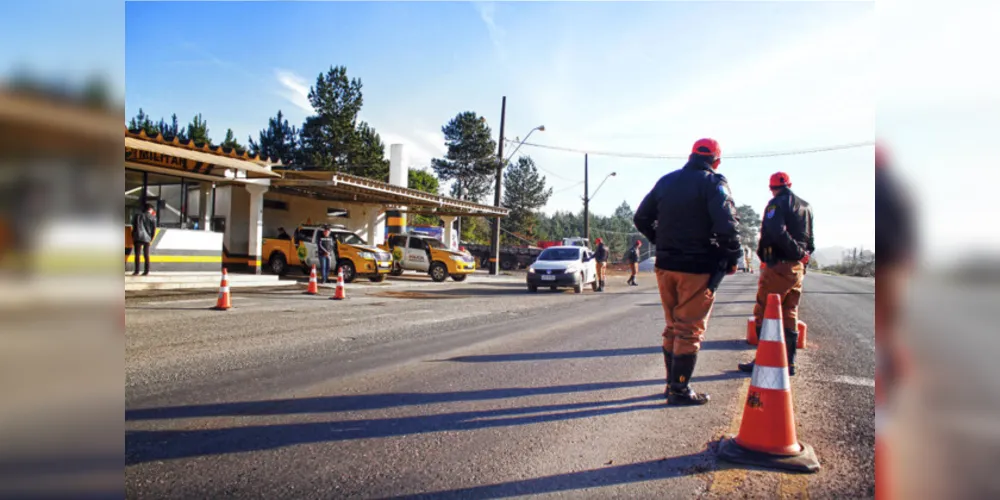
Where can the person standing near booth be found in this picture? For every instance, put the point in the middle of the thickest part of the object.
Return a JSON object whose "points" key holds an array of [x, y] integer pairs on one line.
{"points": [[143, 231]]}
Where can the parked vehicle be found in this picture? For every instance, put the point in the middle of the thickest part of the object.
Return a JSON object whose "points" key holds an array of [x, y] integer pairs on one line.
{"points": [[427, 254], [561, 267], [354, 255], [511, 257]]}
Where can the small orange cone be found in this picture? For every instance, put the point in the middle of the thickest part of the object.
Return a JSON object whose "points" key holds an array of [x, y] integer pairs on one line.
{"points": [[751, 331], [225, 301], [767, 436], [340, 293], [803, 331], [313, 284]]}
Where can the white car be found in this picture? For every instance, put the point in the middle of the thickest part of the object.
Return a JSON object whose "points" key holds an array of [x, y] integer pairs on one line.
{"points": [[561, 267]]}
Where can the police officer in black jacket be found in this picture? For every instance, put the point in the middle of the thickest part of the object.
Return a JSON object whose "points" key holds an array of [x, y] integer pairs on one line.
{"points": [[786, 242], [691, 216]]}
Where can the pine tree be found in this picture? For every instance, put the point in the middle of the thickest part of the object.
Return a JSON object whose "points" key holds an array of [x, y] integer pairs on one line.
{"points": [[230, 142], [197, 131], [279, 141], [524, 193], [470, 160]]}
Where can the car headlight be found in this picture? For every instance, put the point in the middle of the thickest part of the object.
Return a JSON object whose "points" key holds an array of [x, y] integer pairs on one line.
{"points": [[367, 255], [457, 258], [531, 270]]}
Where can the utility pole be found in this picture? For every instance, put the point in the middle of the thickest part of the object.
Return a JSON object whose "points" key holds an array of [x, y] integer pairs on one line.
{"points": [[495, 240], [586, 200]]}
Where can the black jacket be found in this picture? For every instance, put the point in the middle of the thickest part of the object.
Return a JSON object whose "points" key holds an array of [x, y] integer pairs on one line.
{"points": [[786, 233], [632, 256], [894, 225], [143, 227], [601, 253], [326, 245], [691, 216]]}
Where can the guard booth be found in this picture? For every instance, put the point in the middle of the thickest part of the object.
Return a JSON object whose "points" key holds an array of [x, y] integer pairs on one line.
{"points": [[215, 206], [197, 231]]}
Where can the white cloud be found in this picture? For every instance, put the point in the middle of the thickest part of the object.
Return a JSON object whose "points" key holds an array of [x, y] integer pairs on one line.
{"points": [[295, 89], [487, 12]]}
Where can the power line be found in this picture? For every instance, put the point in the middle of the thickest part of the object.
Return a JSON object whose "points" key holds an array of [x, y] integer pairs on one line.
{"points": [[763, 154]]}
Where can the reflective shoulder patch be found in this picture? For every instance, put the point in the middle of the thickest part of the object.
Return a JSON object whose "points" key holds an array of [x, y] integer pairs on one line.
{"points": [[771, 209]]}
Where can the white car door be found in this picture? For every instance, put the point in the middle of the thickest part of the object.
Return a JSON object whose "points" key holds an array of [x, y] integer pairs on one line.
{"points": [[309, 241], [589, 266], [416, 255]]}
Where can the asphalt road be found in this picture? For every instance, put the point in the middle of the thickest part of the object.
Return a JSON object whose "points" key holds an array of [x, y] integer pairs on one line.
{"points": [[472, 390]]}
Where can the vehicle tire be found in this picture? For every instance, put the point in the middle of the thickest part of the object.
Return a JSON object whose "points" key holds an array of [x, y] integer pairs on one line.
{"points": [[506, 265], [532, 289], [459, 277], [377, 278], [578, 288], [554, 288], [350, 274], [278, 264], [438, 272]]}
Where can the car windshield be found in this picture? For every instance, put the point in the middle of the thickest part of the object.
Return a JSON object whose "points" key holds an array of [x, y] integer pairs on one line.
{"points": [[560, 254], [350, 239], [434, 243]]}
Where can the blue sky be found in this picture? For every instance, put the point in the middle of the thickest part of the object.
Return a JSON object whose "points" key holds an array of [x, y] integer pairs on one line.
{"points": [[630, 77]]}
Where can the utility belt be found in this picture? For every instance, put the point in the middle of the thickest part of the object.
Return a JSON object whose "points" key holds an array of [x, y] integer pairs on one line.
{"points": [[768, 257]]}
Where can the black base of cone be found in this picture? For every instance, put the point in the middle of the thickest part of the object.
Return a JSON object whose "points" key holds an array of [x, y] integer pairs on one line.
{"points": [[805, 461]]}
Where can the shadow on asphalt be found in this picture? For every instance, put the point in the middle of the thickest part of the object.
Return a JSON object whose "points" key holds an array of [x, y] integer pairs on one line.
{"points": [[652, 470], [366, 401], [151, 446], [707, 345]]}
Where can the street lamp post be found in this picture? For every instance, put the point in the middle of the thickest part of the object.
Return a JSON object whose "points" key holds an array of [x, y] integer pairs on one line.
{"points": [[588, 197], [495, 239]]}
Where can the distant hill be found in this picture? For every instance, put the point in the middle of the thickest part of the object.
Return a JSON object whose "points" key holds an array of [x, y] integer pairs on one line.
{"points": [[829, 256]]}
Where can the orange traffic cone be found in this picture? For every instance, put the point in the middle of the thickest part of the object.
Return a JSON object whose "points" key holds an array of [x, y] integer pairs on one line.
{"points": [[752, 330], [340, 293], [225, 301], [803, 331], [313, 284], [767, 435]]}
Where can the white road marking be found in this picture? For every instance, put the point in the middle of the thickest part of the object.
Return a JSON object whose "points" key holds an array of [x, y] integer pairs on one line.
{"points": [[847, 379]]}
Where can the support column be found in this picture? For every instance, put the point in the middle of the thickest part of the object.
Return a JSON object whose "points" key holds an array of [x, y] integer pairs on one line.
{"points": [[449, 232], [256, 226], [205, 207], [399, 175], [376, 226]]}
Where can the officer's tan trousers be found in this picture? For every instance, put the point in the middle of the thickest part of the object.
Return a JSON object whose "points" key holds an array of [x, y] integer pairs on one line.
{"points": [[687, 304], [784, 279]]}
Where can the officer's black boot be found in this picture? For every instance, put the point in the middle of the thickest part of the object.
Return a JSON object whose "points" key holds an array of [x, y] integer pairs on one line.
{"points": [[748, 367], [667, 357], [681, 393], [791, 346]]}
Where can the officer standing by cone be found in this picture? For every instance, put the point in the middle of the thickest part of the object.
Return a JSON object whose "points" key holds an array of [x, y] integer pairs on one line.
{"points": [[786, 241], [691, 216], [633, 262]]}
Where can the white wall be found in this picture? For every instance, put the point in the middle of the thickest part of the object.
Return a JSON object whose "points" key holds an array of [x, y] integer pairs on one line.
{"points": [[303, 210]]}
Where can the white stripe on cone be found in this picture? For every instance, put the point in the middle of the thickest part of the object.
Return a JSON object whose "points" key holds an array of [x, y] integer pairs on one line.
{"points": [[771, 331], [769, 377]]}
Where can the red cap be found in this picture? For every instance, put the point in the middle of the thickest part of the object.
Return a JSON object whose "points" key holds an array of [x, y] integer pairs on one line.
{"points": [[707, 147], [638, 243], [598, 241], [781, 179]]}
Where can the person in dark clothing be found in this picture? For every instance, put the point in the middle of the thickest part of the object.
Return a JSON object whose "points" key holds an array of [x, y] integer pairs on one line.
{"points": [[143, 231], [601, 256], [786, 242], [282, 235], [326, 251], [691, 216], [632, 257]]}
